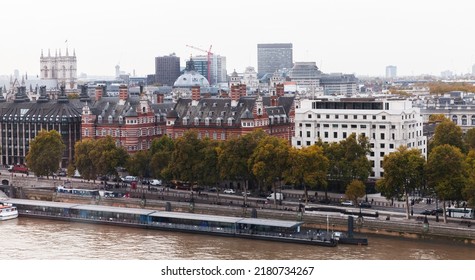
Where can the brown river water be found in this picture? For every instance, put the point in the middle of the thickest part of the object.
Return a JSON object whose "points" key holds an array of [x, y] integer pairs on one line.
{"points": [[38, 239]]}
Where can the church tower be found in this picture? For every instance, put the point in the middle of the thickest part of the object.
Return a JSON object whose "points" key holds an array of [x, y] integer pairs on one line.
{"points": [[61, 68]]}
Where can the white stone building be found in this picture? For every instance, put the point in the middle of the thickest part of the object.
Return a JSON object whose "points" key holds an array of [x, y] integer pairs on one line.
{"points": [[388, 123], [61, 69]]}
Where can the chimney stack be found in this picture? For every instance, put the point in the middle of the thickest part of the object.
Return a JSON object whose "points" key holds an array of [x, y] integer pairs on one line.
{"points": [[123, 92], [160, 98], [195, 93], [99, 92]]}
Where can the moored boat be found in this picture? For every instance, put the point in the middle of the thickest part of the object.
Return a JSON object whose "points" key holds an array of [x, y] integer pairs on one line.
{"points": [[7, 211]]}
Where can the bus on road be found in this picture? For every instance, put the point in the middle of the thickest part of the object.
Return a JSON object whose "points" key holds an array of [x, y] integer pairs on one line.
{"points": [[465, 213]]}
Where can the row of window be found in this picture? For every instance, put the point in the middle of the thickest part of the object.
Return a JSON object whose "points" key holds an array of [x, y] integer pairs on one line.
{"points": [[123, 133], [464, 119], [356, 117]]}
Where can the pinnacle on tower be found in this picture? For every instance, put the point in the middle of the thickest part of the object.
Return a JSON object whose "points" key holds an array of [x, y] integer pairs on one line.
{"points": [[67, 54]]}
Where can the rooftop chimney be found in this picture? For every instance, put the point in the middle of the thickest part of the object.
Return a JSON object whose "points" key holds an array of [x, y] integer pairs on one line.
{"points": [[123, 92], [99, 92]]}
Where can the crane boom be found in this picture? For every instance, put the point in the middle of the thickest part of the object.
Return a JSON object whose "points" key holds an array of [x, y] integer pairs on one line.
{"points": [[209, 54]]}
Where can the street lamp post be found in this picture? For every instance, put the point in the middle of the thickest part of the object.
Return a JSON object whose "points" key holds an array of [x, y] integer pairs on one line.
{"points": [[436, 209]]}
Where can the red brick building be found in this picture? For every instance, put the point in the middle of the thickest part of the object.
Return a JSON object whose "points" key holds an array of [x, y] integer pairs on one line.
{"points": [[221, 118], [132, 121]]}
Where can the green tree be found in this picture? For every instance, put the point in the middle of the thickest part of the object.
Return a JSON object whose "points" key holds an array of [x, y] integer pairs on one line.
{"points": [[83, 159], [208, 166], [307, 167], [355, 189], [403, 173], [107, 156], [469, 139], [468, 191], [348, 159], [447, 173], [270, 160], [186, 158], [138, 164], [161, 153], [447, 132], [234, 155], [46, 151], [437, 118]]}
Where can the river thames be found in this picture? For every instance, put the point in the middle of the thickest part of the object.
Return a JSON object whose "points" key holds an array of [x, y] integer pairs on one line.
{"points": [[38, 239]]}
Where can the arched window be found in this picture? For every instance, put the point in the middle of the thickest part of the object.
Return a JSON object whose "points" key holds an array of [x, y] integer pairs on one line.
{"points": [[71, 72], [143, 110], [207, 121], [455, 119], [464, 120], [185, 121], [219, 121], [99, 119], [230, 121], [45, 69], [473, 120], [121, 120]]}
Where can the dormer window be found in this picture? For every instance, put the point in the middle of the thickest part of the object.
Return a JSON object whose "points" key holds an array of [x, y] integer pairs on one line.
{"points": [[219, 121], [207, 121], [230, 121], [197, 121], [109, 119], [185, 121], [121, 120], [99, 119]]}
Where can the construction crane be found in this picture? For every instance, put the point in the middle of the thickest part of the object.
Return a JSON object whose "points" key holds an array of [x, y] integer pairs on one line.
{"points": [[209, 54]]}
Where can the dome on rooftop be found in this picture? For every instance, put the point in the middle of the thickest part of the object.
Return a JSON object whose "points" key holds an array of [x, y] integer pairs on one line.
{"points": [[191, 78]]}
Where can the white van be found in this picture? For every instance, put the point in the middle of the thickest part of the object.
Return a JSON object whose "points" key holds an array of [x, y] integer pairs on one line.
{"points": [[278, 196]]}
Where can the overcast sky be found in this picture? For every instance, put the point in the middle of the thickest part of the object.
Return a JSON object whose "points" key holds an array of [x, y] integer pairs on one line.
{"points": [[348, 36]]}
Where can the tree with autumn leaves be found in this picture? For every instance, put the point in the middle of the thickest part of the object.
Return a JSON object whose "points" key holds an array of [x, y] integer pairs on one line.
{"points": [[45, 153]]}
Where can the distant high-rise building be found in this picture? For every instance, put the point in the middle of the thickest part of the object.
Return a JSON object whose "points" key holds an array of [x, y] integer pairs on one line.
{"points": [[167, 69], [61, 68], [391, 71], [271, 57], [305, 74], [473, 70], [117, 71], [218, 72]]}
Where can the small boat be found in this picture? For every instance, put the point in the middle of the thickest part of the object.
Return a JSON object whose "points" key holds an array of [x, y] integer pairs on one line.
{"points": [[7, 211]]}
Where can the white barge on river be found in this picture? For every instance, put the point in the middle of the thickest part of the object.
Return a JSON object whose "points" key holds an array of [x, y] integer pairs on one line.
{"points": [[251, 228], [7, 211]]}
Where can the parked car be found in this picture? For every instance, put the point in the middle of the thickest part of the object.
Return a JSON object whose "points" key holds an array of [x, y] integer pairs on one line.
{"points": [[426, 212], [229, 191], [155, 182], [365, 204], [129, 179], [213, 189], [347, 203], [18, 169], [432, 211]]}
